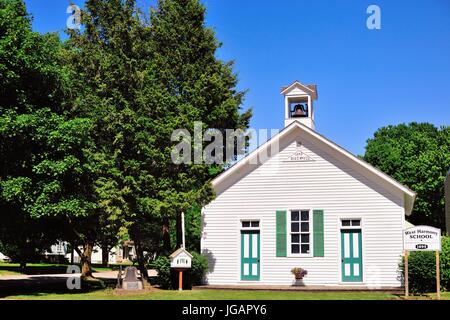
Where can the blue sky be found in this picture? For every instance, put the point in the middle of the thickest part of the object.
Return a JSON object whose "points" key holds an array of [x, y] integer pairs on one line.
{"points": [[366, 78]]}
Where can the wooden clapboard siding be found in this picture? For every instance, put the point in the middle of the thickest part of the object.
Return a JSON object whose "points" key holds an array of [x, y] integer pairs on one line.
{"points": [[327, 183]]}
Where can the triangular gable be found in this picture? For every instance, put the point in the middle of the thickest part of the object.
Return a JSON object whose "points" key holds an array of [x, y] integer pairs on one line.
{"points": [[308, 89], [221, 182], [179, 251]]}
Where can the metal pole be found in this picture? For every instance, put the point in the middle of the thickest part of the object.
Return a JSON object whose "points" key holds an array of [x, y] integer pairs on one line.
{"points": [[182, 230], [438, 277], [406, 274]]}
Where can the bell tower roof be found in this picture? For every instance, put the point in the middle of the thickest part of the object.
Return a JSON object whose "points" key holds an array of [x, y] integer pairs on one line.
{"points": [[297, 88]]}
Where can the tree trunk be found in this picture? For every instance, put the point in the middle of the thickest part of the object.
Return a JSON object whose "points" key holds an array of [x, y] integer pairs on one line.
{"points": [[86, 271], [23, 265], [141, 263], [166, 236], [105, 255]]}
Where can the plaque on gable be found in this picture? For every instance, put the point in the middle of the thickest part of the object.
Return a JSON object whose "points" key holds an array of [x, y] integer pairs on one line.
{"points": [[299, 155], [181, 259]]}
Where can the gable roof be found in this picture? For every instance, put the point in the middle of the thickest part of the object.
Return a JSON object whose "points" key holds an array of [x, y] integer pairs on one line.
{"points": [[309, 88], [179, 251], [409, 195]]}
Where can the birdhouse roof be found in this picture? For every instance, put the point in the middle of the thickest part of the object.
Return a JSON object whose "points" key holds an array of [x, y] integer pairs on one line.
{"points": [[180, 251]]}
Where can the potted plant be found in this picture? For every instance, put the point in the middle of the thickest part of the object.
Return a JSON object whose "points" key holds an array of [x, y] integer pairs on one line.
{"points": [[299, 273]]}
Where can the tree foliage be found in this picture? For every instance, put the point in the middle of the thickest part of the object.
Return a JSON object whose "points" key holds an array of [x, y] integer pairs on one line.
{"points": [[45, 169], [86, 125], [417, 155], [138, 82]]}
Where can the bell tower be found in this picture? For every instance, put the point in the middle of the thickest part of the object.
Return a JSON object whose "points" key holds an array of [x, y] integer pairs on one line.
{"points": [[298, 103]]}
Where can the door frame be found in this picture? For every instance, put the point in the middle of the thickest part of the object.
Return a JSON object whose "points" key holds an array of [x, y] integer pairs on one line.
{"points": [[241, 254], [361, 228]]}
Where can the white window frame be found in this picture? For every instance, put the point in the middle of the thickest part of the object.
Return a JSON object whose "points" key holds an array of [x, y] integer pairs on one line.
{"points": [[289, 233], [350, 226], [249, 220]]}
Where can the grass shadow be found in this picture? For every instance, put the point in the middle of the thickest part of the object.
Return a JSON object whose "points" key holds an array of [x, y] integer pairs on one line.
{"points": [[49, 285]]}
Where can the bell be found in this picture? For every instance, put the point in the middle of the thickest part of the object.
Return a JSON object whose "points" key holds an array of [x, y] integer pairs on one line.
{"points": [[299, 111]]}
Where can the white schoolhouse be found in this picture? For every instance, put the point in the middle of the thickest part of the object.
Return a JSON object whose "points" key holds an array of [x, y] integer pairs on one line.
{"points": [[311, 204]]}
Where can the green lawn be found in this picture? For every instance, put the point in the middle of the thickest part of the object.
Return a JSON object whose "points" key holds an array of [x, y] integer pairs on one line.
{"points": [[10, 269], [110, 294]]}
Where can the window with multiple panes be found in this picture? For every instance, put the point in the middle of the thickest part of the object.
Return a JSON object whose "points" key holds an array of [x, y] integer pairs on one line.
{"points": [[250, 224], [351, 222], [300, 234]]}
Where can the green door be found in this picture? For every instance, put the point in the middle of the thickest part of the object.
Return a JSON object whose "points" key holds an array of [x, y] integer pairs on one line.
{"points": [[250, 248], [351, 256]]}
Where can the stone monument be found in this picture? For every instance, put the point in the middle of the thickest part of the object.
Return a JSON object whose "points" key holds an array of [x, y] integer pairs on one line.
{"points": [[131, 280]]}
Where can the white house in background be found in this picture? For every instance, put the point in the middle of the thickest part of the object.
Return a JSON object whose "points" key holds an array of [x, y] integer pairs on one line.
{"points": [[118, 254], [312, 205], [3, 257]]}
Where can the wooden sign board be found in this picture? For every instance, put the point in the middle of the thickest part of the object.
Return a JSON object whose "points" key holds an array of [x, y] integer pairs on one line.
{"points": [[422, 238]]}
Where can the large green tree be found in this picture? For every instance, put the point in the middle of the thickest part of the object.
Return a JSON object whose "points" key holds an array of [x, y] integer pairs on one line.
{"points": [[417, 155], [46, 169], [21, 52], [139, 82], [108, 59], [196, 86], [86, 125]]}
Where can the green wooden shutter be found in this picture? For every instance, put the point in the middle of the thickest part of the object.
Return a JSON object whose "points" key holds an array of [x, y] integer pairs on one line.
{"points": [[281, 233], [318, 233]]}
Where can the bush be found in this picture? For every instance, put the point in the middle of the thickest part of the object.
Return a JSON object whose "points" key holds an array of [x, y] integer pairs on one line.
{"points": [[168, 278], [445, 263], [199, 268], [422, 269], [422, 272], [162, 265]]}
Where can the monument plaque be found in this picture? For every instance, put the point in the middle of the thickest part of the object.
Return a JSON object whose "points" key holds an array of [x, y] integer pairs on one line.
{"points": [[131, 280]]}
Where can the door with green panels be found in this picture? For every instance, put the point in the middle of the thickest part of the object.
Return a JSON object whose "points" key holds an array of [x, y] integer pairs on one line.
{"points": [[351, 255], [250, 255]]}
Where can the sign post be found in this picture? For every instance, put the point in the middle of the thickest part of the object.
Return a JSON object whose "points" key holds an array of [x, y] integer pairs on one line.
{"points": [[422, 238], [180, 261], [180, 280], [438, 277], [406, 274]]}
